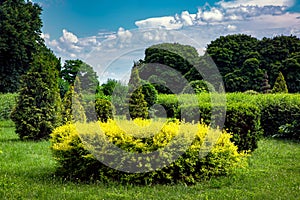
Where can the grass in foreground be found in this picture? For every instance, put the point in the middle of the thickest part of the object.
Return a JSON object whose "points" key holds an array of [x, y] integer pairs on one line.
{"points": [[27, 172]]}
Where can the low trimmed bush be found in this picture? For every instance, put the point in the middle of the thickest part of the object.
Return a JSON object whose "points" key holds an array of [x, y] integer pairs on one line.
{"points": [[279, 110], [71, 150]]}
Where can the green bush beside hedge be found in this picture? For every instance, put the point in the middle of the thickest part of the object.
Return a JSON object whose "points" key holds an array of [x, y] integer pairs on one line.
{"points": [[7, 103]]}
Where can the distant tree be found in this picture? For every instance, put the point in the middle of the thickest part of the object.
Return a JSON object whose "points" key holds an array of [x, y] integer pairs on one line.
{"points": [[266, 87], [108, 87], [230, 52], [199, 86], [20, 39], [38, 109], [291, 71], [86, 74], [280, 85], [178, 58]]}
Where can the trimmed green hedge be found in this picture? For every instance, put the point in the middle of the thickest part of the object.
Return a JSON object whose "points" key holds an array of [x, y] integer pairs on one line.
{"points": [[277, 114], [242, 119]]}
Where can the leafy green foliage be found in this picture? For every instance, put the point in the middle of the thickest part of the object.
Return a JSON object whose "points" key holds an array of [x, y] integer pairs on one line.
{"points": [[104, 110], [77, 162], [85, 73], [280, 85], [198, 86], [137, 105], [72, 108], [20, 30], [150, 94], [38, 107], [7, 103], [165, 64], [242, 59], [108, 87]]}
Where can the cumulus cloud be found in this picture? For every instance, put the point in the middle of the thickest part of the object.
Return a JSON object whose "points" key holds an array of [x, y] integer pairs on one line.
{"points": [[211, 15], [168, 23], [231, 27], [260, 3], [68, 37]]}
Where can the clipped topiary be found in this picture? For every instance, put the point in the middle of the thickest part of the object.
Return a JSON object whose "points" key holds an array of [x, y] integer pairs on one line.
{"points": [[280, 85], [38, 109]]}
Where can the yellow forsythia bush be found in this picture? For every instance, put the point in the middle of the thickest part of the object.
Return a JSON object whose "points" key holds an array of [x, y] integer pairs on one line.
{"points": [[144, 151]]}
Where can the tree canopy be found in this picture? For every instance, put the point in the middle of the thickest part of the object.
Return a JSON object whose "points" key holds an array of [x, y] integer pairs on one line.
{"points": [[20, 37]]}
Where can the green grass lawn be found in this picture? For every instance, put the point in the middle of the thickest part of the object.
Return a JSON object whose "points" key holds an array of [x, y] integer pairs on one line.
{"points": [[27, 172]]}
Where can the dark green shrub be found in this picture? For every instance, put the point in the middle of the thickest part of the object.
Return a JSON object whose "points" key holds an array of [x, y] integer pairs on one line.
{"points": [[278, 110], [38, 109], [289, 131], [198, 86], [170, 104], [150, 94], [7, 103], [104, 110], [242, 121]]}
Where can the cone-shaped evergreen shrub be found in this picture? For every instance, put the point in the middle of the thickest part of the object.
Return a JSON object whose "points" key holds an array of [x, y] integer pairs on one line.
{"points": [[280, 85], [38, 109], [138, 107]]}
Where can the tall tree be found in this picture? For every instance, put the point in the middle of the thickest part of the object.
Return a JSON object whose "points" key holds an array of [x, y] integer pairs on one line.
{"points": [[86, 74], [20, 37], [38, 109]]}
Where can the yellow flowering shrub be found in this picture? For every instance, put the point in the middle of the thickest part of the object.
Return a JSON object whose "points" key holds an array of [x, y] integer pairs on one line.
{"points": [[115, 149]]}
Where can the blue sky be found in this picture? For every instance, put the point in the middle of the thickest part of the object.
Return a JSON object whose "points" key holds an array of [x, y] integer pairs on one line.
{"points": [[109, 35], [88, 17]]}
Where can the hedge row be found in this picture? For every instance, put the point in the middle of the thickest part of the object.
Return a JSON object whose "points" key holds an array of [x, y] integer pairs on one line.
{"points": [[242, 120], [79, 150], [270, 114]]}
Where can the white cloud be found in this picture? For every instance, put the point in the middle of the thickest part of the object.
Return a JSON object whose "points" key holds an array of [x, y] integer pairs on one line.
{"points": [[168, 23], [124, 35], [68, 37], [212, 15], [187, 19], [260, 3], [231, 27]]}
